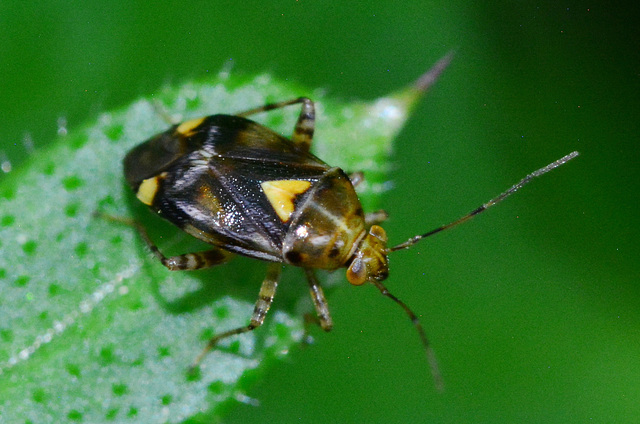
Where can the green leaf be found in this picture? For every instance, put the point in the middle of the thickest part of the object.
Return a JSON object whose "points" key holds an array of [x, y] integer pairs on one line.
{"points": [[92, 328]]}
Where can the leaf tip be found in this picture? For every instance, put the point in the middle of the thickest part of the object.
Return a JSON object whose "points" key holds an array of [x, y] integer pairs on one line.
{"points": [[427, 79], [415, 91]]}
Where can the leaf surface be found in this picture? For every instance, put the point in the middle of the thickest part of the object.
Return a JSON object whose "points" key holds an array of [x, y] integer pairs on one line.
{"points": [[92, 328]]}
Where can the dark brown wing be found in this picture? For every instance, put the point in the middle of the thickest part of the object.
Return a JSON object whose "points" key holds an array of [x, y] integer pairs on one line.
{"points": [[210, 181]]}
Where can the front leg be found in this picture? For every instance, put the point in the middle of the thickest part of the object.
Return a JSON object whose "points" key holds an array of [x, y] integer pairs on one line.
{"points": [[319, 301]]}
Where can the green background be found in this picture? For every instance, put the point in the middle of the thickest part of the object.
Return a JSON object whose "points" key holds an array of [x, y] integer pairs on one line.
{"points": [[533, 308]]}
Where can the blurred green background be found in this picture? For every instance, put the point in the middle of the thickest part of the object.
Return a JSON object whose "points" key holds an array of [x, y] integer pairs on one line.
{"points": [[533, 308]]}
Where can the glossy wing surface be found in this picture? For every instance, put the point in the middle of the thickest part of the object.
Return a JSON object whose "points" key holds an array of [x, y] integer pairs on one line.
{"points": [[213, 187]]}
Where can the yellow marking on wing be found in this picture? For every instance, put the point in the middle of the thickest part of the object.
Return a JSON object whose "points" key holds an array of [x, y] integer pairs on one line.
{"points": [[282, 193], [187, 128], [148, 189]]}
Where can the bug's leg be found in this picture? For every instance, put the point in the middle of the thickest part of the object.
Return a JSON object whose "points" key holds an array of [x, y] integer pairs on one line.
{"points": [[371, 218], [309, 320], [194, 260], [265, 298], [188, 261], [303, 131], [356, 178], [319, 301], [377, 217], [163, 113], [307, 104]]}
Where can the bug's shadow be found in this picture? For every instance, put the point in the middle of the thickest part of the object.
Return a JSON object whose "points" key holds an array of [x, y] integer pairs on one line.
{"points": [[240, 278]]}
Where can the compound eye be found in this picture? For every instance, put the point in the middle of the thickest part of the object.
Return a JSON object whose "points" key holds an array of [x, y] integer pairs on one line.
{"points": [[357, 272]]}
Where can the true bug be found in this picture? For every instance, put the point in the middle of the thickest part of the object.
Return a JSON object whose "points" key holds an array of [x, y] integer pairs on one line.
{"points": [[247, 190]]}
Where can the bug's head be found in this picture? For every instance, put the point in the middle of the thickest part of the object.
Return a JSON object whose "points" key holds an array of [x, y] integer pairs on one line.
{"points": [[370, 261]]}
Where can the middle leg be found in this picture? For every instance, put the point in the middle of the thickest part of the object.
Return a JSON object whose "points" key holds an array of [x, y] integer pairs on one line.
{"points": [[319, 301], [265, 298]]}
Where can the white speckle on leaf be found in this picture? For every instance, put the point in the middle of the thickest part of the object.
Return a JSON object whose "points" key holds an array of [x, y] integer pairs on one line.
{"points": [[389, 109], [59, 327]]}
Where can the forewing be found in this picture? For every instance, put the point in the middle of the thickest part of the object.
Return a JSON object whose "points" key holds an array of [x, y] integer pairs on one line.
{"points": [[215, 191]]}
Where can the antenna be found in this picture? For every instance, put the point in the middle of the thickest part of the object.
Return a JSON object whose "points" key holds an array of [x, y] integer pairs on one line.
{"points": [[413, 240], [431, 356]]}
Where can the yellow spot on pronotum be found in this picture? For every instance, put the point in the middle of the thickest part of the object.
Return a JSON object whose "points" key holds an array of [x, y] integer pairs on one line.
{"points": [[147, 190], [282, 193], [187, 128]]}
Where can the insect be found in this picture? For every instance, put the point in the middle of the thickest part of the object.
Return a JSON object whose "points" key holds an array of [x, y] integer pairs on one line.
{"points": [[247, 190]]}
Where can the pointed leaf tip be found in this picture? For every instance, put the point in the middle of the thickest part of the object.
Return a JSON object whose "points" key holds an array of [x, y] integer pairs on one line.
{"points": [[427, 79], [410, 95]]}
